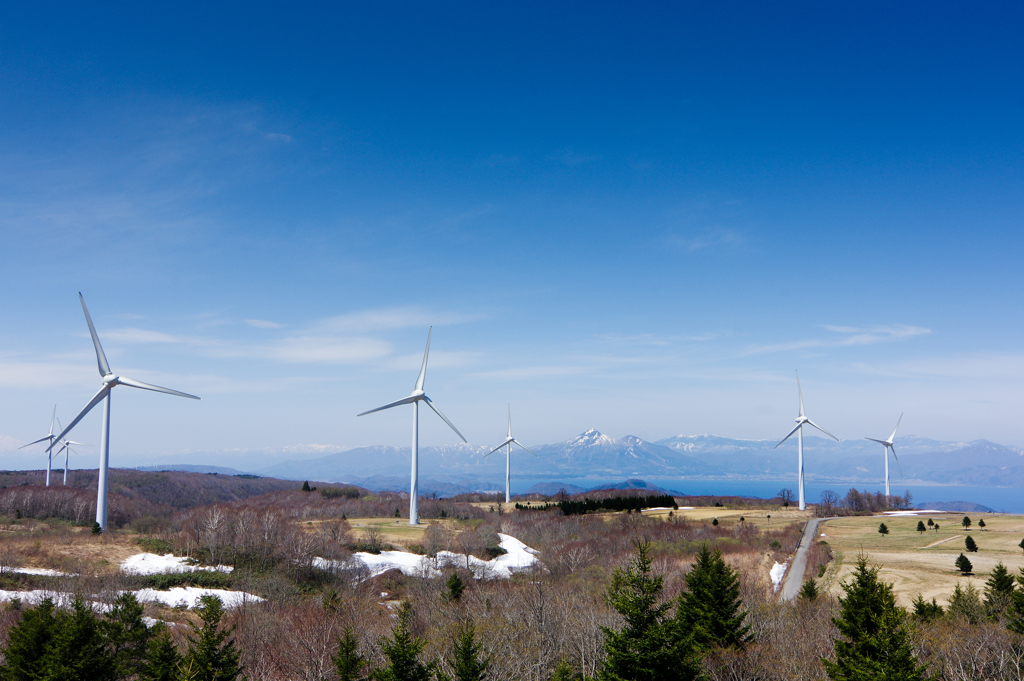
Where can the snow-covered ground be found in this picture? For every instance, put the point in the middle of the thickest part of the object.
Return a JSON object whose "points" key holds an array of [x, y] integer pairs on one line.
{"points": [[153, 564], [44, 572], [188, 596], [518, 557], [777, 572]]}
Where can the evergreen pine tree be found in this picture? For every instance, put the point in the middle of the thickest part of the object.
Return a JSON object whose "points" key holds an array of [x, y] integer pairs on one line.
{"points": [[565, 672], [930, 522], [127, 635], [1015, 613], [966, 522], [1021, 544], [211, 654], [27, 643], [981, 523], [920, 526], [710, 606], [78, 650], [162, 657], [348, 662], [650, 647], [964, 565], [965, 604], [305, 487], [877, 644], [883, 529], [468, 664], [809, 591], [925, 611], [454, 587], [999, 588], [402, 651], [970, 544]]}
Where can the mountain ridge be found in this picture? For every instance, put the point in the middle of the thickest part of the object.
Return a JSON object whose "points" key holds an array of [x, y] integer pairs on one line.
{"points": [[595, 455]]}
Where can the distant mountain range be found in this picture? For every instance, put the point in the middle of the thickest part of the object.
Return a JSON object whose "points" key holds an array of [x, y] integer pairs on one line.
{"points": [[593, 455]]}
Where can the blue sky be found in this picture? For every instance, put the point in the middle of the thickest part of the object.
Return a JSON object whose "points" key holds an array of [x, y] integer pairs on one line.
{"points": [[637, 219]]}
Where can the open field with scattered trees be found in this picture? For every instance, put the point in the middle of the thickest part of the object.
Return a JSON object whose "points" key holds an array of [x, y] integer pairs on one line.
{"points": [[685, 588], [922, 561]]}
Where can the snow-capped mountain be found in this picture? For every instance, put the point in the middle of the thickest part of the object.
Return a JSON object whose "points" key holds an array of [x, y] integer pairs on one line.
{"points": [[598, 456]]}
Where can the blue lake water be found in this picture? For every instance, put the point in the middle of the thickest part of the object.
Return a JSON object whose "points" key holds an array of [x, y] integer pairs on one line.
{"points": [[1004, 499]]}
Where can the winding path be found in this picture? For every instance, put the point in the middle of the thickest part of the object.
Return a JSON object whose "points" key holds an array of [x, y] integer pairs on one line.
{"points": [[795, 574]]}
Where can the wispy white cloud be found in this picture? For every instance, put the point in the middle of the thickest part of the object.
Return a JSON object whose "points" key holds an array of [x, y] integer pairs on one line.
{"points": [[438, 359], [656, 338], [263, 324], [989, 367], [395, 318], [33, 375], [326, 349], [532, 372], [848, 335]]}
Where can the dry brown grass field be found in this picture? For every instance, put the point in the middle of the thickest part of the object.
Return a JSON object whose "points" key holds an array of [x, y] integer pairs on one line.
{"points": [[923, 563]]}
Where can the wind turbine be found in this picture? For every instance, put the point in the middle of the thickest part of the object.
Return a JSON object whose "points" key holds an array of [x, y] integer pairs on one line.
{"points": [[417, 396], [886, 446], [507, 444], [110, 381], [66, 448], [48, 438], [801, 419]]}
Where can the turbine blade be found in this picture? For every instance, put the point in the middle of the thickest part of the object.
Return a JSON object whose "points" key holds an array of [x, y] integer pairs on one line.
{"points": [[444, 418], [897, 460], [788, 436], [423, 368], [52, 417], [42, 439], [101, 359], [507, 440], [396, 403], [800, 391], [155, 388], [510, 420], [518, 444], [80, 444], [893, 436], [823, 430], [881, 442], [96, 399]]}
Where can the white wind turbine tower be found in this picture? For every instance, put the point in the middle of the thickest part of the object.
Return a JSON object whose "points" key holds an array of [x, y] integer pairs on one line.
{"points": [[801, 419], [507, 444], [65, 446], [48, 438], [110, 381], [417, 396], [886, 446]]}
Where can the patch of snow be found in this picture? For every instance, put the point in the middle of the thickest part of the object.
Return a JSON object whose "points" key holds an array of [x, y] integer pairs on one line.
{"points": [[823, 534], [900, 513], [45, 572], [517, 557], [152, 564], [778, 571], [686, 508], [658, 508], [189, 596]]}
